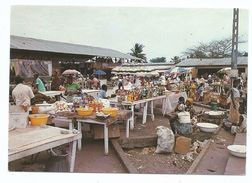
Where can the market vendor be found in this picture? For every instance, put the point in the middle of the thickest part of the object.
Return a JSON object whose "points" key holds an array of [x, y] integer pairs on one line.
{"points": [[103, 92], [199, 92], [192, 91], [38, 83], [177, 126], [39, 98], [22, 94], [72, 89], [234, 115], [189, 107], [56, 81]]}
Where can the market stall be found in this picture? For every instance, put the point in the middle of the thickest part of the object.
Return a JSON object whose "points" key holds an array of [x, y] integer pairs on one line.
{"points": [[34, 139], [94, 118]]}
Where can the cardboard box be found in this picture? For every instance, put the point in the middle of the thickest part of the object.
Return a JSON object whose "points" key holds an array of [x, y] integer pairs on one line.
{"points": [[113, 131]]}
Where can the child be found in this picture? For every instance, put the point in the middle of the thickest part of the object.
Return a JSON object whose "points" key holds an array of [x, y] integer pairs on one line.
{"points": [[181, 105]]}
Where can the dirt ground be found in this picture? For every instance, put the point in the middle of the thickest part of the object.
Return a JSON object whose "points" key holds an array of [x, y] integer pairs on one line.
{"points": [[146, 161]]}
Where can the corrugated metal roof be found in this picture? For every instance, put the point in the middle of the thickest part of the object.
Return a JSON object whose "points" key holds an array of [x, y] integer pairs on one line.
{"points": [[141, 67], [241, 61], [25, 43]]}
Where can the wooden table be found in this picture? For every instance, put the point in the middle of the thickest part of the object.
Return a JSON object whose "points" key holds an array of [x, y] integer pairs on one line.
{"points": [[33, 139], [145, 103]]}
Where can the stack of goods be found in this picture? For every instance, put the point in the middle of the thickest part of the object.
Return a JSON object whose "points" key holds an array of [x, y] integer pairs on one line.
{"points": [[95, 105]]}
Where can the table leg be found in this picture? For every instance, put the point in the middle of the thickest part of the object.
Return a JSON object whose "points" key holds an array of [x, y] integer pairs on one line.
{"points": [[79, 140], [71, 156], [152, 111], [70, 126], [132, 117], [127, 128], [106, 139], [145, 113], [164, 106]]}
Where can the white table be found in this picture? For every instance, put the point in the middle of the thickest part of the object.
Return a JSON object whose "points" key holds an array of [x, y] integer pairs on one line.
{"points": [[105, 127], [52, 93], [33, 139], [93, 93], [69, 121], [145, 102]]}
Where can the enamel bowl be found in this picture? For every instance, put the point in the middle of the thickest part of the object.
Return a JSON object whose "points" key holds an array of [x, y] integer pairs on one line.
{"points": [[207, 127], [237, 150]]}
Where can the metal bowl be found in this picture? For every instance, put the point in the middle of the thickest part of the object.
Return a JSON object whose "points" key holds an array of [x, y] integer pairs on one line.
{"points": [[207, 127], [237, 150]]}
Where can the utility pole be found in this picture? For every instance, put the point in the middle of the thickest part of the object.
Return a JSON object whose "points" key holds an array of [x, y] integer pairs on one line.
{"points": [[234, 71]]}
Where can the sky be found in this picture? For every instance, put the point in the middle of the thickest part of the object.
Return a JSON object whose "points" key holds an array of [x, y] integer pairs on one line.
{"points": [[165, 32]]}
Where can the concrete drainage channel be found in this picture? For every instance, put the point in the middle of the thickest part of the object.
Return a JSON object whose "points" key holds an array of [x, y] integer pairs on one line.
{"points": [[149, 141]]}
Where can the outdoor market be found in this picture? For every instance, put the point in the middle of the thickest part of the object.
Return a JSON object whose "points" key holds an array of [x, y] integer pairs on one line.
{"points": [[84, 109]]}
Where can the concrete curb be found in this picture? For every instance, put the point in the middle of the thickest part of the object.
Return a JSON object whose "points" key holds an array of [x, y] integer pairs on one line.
{"points": [[202, 153], [124, 159], [198, 159]]}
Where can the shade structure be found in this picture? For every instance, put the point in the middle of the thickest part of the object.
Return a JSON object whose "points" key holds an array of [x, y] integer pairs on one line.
{"points": [[225, 70], [100, 72], [176, 70], [70, 71]]}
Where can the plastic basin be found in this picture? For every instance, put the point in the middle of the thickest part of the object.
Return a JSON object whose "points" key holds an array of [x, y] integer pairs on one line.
{"points": [[207, 127], [237, 150], [112, 111], [84, 111], [38, 119]]}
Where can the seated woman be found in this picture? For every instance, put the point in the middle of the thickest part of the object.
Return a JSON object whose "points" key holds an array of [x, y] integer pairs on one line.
{"points": [[177, 126], [189, 107]]}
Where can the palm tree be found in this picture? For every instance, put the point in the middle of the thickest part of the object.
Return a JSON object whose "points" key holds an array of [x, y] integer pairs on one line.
{"points": [[137, 51], [176, 59]]}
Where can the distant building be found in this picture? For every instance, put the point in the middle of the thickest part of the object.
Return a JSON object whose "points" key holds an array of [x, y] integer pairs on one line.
{"points": [[29, 55], [212, 65]]}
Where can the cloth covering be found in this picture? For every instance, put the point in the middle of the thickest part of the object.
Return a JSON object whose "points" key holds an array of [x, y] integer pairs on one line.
{"points": [[22, 95]]}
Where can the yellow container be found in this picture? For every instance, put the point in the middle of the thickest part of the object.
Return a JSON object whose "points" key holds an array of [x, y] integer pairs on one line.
{"points": [[112, 111], [38, 119], [84, 111]]}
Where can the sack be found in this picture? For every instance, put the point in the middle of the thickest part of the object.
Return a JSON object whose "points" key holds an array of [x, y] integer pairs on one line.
{"points": [[165, 141]]}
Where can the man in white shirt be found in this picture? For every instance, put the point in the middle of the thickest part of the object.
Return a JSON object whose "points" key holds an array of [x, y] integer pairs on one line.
{"points": [[22, 94]]}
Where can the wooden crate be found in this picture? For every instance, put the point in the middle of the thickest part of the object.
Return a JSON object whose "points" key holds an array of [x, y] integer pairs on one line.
{"points": [[113, 131]]}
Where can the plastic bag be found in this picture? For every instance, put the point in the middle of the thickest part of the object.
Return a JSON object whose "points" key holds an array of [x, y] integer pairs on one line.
{"points": [[165, 142]]}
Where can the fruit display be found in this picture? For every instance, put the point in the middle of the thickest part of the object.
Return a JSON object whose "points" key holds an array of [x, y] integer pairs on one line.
{"points": [[61, 106]]}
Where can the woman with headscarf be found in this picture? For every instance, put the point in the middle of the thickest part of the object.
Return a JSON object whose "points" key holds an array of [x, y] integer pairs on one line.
{"points": [[234, 115], [72, 89]]}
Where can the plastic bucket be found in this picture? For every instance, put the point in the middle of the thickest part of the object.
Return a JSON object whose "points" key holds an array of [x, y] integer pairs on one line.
{"points": [[184, 117], [214, 106]]}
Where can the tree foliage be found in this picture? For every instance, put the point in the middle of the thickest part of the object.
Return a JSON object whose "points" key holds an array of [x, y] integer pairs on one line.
{"points": [[137, 51], [214, 49], [158, 60], [176, 59]]}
